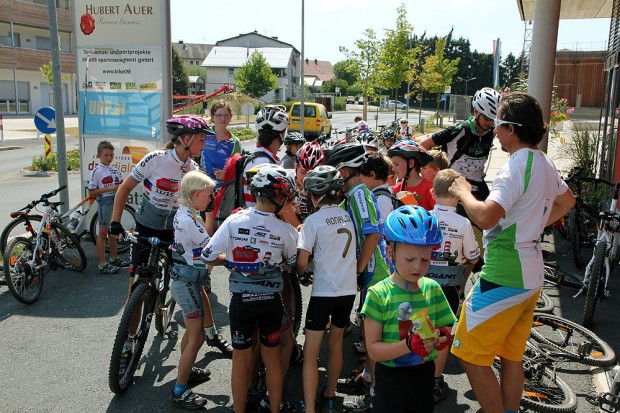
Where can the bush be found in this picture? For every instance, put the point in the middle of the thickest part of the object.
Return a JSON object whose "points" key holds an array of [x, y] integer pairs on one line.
{"points": [[245, 133], [41, 163]]}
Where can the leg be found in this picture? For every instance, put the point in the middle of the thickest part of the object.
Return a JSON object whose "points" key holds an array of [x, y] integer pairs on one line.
{"points": [[190, 344], [287, 342], [334, 361], [101, 238], [271, 357], [312, 347], [485, 386], [239, 380], [512, 380]]}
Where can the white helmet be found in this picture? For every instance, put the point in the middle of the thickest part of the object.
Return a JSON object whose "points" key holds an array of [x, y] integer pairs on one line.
{"points": [[272, 117], [486, 101]]}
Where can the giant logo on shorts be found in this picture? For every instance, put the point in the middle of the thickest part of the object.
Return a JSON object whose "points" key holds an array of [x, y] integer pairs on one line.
{"points": [[167, 185], [245, 254]]}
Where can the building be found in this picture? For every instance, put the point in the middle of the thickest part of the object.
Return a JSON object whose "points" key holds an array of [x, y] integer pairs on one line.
{"points": [[192, 55], [24, 47], [228, 55], [316, 72], [580, 78]]}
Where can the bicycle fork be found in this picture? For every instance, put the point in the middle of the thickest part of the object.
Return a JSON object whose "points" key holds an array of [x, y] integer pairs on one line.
{"points": [[589, 273]]}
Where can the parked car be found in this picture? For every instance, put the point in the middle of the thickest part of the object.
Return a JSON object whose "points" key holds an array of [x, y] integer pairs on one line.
{"points": [[399, 105], [361, 100], [316, 119], [350, 100]]}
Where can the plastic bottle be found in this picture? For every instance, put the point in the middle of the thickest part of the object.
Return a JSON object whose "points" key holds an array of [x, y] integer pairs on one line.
{"points": [[74, 221]]}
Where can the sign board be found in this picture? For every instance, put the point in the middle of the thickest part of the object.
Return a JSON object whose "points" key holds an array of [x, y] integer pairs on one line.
{"points": [[247, 109], [45, 120], [444, 97]]}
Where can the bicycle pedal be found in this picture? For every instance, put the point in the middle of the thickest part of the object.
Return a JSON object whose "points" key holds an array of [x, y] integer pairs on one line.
{"points": [[585, 349], [608, 402], [172, 334]]}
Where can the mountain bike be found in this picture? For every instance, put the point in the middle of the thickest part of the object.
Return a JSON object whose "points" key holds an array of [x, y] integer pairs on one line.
{"points": [[50, 247], [150, 298]]}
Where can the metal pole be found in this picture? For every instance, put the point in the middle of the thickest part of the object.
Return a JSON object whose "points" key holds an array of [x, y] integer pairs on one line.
{"points": [[61, 148], [303, 82]]}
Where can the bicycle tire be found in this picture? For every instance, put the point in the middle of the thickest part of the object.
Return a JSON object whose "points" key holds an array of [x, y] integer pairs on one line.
{"points": [[18, 276], [575, 225], [297, 295], [128, 221], [544, 303], [553, 330], [69, 248], [592, 294], [17, 228], [165, 301], [141, 300]]}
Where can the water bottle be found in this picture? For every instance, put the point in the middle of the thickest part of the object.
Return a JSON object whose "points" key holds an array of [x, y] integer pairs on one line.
{"points": [[74, 221]]}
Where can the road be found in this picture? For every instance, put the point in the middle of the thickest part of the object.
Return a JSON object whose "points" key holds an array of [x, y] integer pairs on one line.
{"points": [[55, 353]]}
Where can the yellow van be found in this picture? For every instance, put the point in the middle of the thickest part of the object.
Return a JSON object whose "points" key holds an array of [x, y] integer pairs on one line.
{"points": [[316, 119]]}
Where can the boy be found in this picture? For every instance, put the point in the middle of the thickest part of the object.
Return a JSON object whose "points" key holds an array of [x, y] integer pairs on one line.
{"points": [[438, 163], [104, 181], [407, 158], [405, 367], [326, 234], [405, 132], [452, 263], [254, 244], [292, 142], [361, 125], [374, 174], [371, 255]]}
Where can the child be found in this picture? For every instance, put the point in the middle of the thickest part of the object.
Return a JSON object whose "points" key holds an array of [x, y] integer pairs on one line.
{"points": [[374, 174], [254, 244], [453, 262], [104, 181], [405, 367], [439, 163], [327, 234], [187, 275], [407, 158], [371, 255], [293, 142], [405, 132], [388, 137], [361, 124]]}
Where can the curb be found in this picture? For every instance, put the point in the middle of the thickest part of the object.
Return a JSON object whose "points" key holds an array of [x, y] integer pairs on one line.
{"points": [[9, 148], [26, 172]]}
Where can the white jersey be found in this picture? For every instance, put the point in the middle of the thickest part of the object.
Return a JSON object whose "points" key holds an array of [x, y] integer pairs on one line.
{"points": [[104, 176], [161, 173], [190, 236], [329, 233], [362, 126], [257, 245]]}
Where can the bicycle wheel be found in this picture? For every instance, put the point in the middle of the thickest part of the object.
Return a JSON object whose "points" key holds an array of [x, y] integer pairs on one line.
{"points": [[19, 228], [23, 281], [544, 303], [128, 221], [576, 232], [68, 249], [296, 287], [594, 283], [569, 338], [165, 301], [140, 306]]}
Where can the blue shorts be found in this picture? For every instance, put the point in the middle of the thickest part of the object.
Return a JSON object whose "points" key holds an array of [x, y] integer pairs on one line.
{"points": [[105, 205], [187, 295]]}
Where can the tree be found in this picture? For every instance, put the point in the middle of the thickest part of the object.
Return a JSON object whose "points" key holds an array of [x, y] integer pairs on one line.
{"points": [[343, 71], [509, 70], [180, 81], [48, 74], [255, 77], [438, 71], [331, 85]]}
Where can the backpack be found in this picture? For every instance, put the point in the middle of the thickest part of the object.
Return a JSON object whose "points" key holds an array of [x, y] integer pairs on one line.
{"points": [[396, 203], [230, 196]]}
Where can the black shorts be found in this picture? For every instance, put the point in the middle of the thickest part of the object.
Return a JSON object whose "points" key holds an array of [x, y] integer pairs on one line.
{"points": [[139, 253], [250, 310], [404, 389], [452, 295], [320, 309]]}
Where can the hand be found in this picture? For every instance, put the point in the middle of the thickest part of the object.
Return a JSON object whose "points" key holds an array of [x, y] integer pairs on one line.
{"points": [[306, 278], [445, 338], [459, 187], [419, 346], [219, 174], [116, 228]]}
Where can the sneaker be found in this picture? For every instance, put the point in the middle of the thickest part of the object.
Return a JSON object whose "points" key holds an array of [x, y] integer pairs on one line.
{"points": [[297, 355], [107, 268], [188, 400], [353, 385], [439, 390], [327, 404], [125, 357], [359, 404], [359, 347], [219, 342], [198, 375], [117, 262]]}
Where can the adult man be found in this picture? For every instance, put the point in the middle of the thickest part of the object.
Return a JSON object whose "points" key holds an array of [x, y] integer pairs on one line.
{"points": [[469, 143], [528, 194]]}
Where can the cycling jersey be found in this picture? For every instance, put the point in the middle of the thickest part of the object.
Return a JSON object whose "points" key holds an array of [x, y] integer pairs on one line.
{"points": [[472, 149], [362, 126], [257, 245], [190, 236], [161, 172], [423, 190], [288, 161], [214, 155], [104, 176]]}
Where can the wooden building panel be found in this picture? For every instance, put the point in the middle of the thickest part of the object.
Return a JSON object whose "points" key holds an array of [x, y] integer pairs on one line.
{"points": [[34, 15], [30, 59]]}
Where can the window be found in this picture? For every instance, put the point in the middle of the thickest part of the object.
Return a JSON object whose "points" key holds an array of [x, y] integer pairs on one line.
{"points": [[231, 71], [191, 63], [43, 43]]}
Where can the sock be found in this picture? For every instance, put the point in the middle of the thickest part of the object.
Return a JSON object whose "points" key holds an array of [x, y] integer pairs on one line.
{"points": [[510, 411], [211, 332], [371, 391], [179, 388], [366, 376]]}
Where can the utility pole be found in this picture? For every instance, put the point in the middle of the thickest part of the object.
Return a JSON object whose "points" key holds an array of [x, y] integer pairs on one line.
{"points": [[303, 82]]}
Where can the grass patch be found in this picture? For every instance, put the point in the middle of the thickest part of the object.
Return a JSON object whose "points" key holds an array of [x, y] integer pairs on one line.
{"points": [[41, 163]]}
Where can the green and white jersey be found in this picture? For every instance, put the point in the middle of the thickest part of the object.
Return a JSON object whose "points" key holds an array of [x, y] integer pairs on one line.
{"points": [[525, 187]]}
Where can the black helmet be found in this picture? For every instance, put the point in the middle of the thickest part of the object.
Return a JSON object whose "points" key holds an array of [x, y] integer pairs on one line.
{"points": [[293, 138], [351, 155], [323, 179]]}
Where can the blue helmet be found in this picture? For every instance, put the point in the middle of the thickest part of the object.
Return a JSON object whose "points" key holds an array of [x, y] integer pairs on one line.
{"points": [[412, 224]]}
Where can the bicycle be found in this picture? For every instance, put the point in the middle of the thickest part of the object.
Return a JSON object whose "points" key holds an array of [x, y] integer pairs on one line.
{"points": [[610, 401], [149, 297], [51, 246]]}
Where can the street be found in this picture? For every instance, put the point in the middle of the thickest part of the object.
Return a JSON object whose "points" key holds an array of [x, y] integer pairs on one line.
{"points": [[56, 352]]}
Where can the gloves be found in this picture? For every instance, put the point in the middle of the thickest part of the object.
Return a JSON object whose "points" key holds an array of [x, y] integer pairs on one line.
{"points": [[116, 228], [416, 345], [444, 332], [305, 279]]}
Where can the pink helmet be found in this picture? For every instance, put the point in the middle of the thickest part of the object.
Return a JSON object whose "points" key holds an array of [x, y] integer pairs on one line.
{"points": [[187, 124], [310, 156]]}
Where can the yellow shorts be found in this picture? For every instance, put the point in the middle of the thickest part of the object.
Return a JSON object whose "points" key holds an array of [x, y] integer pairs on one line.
{"points": [[495, 322]]}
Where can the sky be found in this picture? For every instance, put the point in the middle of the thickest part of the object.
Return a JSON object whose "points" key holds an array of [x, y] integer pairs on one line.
{"points": [[330, 24]]}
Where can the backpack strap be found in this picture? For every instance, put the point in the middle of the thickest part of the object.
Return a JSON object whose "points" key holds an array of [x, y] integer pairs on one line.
{"points": [[246, 158]]}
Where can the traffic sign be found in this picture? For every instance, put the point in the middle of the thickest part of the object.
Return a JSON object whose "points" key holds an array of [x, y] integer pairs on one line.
{"points": [[48, 146], [45, 120], [247, 109]]}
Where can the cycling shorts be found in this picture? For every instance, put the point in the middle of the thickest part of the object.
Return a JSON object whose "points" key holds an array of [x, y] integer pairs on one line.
{"points": [[495, 320], [139, 253], [248, 310], [104, 211], [321, 309], [187, 295], [403, 389]]}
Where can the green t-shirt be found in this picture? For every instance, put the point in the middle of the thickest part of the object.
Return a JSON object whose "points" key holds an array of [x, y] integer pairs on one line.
{"points": [[391, 306]]}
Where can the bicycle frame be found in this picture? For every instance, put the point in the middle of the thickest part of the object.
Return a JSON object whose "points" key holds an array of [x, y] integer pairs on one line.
{"points": [[80, 229]]}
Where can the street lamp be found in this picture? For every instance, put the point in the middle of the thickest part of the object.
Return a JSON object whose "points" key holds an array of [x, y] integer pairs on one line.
{"points": [[466, 81]]}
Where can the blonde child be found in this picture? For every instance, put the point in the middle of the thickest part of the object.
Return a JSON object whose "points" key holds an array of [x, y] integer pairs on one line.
{"points": [[438, 163]]}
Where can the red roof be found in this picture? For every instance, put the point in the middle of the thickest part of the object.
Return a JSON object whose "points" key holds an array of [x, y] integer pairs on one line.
{"points": [[319, 68]]}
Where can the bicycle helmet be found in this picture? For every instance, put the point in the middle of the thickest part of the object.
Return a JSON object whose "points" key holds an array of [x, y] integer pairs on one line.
{"points": [[372, 143], [191, 124], [412, 224], [351, 155], [323, 179], [388, 134], [404, 120], [293, 138], [486, 101], [365, 137], [409, 149], [310, 156], [272, 117], [271, 181]]}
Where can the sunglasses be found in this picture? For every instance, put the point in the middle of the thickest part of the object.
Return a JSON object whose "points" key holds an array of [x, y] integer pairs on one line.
{"points": [[499, 122], [222, 116]]}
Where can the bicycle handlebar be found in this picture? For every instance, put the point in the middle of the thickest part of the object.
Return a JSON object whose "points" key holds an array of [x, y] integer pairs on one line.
{"points": [[136, 238]]}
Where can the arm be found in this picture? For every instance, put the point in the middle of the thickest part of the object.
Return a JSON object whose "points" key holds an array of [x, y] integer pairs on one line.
{"points": [[370, 243], [219, 260], [99, 191], [484, 213], [121, 198], [427, 142], [561, 205], [302, 260], [377, 349]]}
